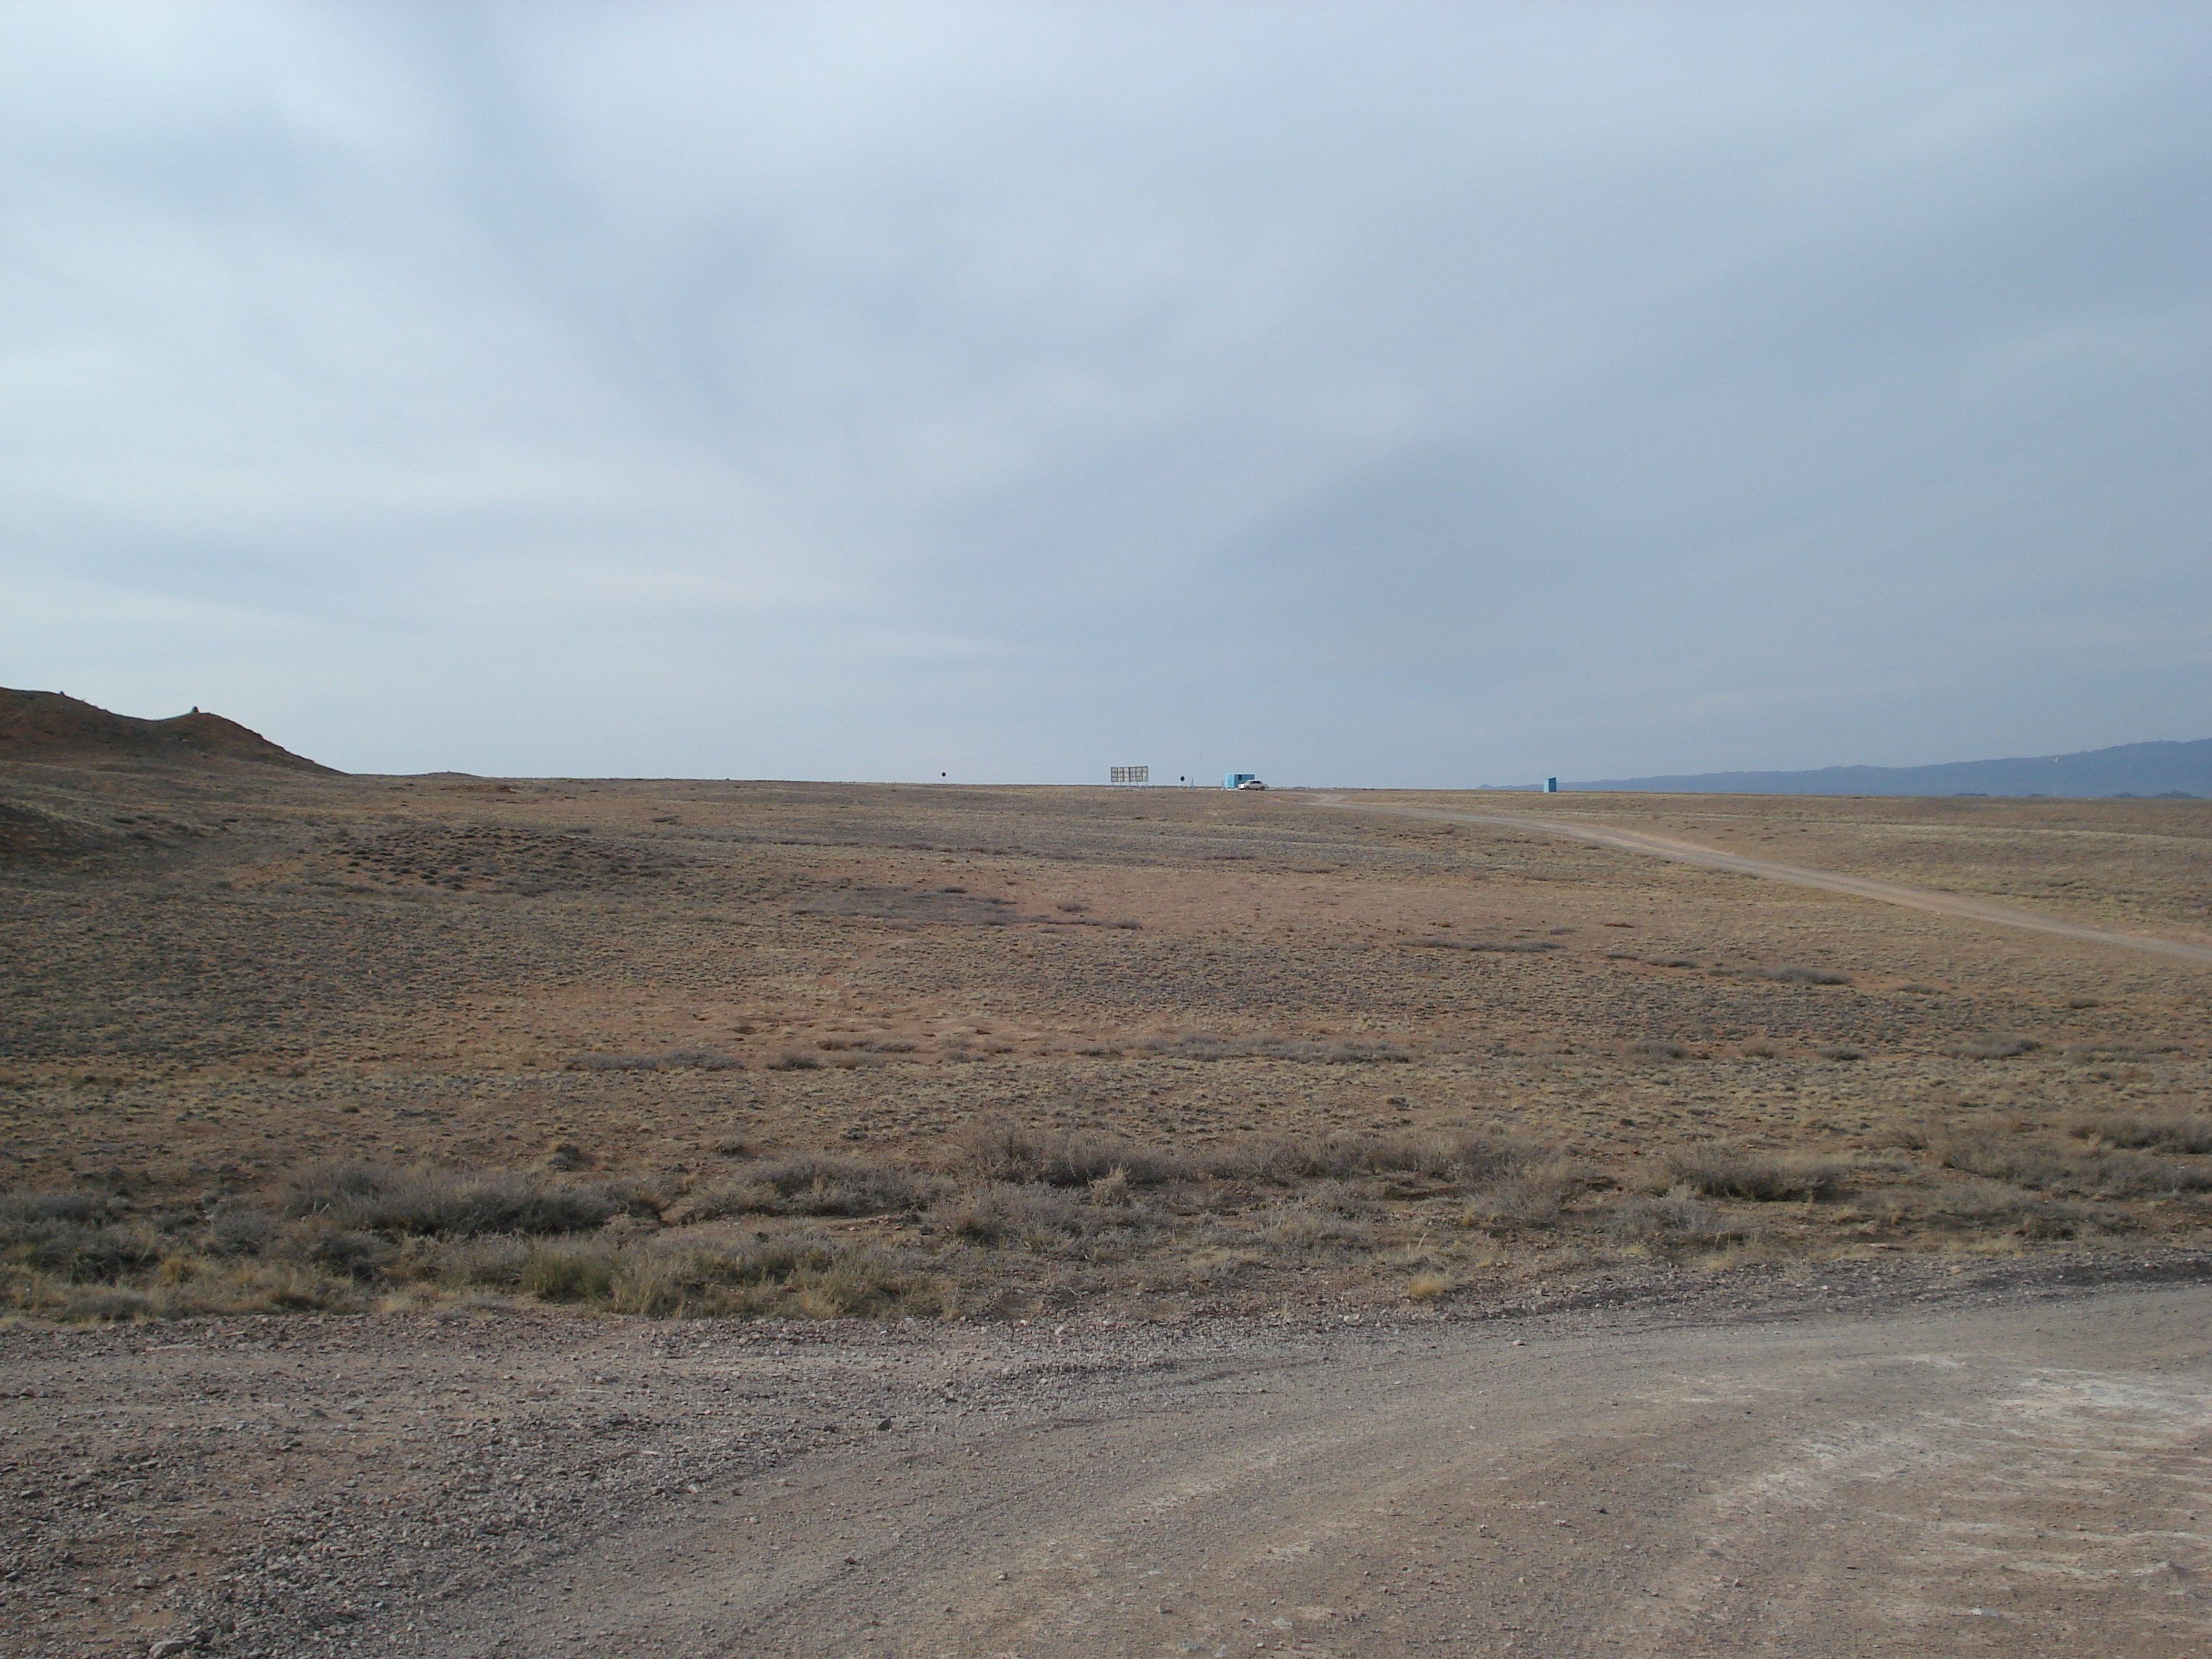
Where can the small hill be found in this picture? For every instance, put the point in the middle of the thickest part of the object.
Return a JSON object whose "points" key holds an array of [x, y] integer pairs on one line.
{"points": [[48, 726], [2129, 768]]}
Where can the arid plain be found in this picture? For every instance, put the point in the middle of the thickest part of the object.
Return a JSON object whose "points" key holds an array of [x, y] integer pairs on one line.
{"points": [[1074, 1099], [1321, 1047]]}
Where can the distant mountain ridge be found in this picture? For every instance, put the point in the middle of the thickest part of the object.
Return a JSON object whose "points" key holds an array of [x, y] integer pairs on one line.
{"points": [[52, 726], [2129, 768]]}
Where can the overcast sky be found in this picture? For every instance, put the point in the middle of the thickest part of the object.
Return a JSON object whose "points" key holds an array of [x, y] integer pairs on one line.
{"points": [[1376, 394]]}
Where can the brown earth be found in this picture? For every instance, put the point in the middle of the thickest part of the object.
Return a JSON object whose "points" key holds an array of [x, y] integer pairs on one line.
{"points": [[47, 725], [1323, 1064], [227, 976]]}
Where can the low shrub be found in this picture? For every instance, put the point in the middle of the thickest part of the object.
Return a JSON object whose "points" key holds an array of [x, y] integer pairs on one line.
{"points": [[1041, 1219], [1463, 1160], [1671, 1221], [341, 1252], [374, 1198], [1499, 947], [812, 1186], [1716, 1172], [1993, 1048], [77, 1251], [1797, 973], [1534, 1197], [1007, 1153], [1327, 1216], [568, 1275], [26, 1209], [675, 1059], [811, 1277], [236, 1228], [1331, 1051], [2086, 1172], [2185, 1133]]}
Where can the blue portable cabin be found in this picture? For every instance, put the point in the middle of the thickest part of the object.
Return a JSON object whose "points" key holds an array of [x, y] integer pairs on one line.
{"points": [[1237, 780]]}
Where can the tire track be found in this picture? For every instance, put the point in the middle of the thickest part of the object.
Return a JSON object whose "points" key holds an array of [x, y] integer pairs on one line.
{"points": [[1832, 881]]}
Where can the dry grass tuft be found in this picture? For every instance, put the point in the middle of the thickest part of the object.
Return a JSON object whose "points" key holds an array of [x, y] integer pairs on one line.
{"points": [[1498, 947], [2080, 1171], [675, 1059], [1341, 1051], [1533, 1196], [1670, 1222], [1797, 973], [1993, 1048], [1007, 1153], [812, 1186], [1761, 1178], [1041, 1221], [2187, 1133], [377, 1199]]}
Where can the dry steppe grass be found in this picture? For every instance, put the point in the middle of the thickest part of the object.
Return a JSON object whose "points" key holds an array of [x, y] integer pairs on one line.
{"points": [[683, 1047]]}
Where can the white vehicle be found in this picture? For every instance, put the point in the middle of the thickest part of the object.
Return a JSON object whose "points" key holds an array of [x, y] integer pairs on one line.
{"points": [[1251, 783]]}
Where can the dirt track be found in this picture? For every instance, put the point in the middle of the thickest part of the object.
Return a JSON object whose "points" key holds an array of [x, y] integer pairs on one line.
{"points": [[1900, 1458], [1886, 892], [1838, 1486]]}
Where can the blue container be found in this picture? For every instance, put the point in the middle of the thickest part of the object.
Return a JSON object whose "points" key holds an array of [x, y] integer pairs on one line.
{"points": [[1235, 780]]}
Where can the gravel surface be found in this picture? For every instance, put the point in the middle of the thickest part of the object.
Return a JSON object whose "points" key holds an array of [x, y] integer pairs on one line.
{"points": [[1905, 1456]]}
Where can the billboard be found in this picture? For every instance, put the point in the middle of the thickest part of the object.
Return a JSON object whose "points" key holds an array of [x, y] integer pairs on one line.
{"points": [[1130, 775]]}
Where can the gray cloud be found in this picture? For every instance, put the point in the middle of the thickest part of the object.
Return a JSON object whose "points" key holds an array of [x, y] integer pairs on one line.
{"points": [[1409, 394]]}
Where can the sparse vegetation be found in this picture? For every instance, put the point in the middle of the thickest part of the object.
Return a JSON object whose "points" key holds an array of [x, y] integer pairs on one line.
{"points": [[2190, 1133], [1203, 1045], [675, 1059], [2085, 1170], [562, 1064], [1672, 1222], [811, 1186], [1993, 1048], [1798, 974], [1714, 1172], [1497, 947], [373, 1198]]}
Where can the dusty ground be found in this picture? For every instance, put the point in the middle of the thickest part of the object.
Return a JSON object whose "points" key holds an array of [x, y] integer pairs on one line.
{"points": [[1714, 1095], [1903, 1458]]}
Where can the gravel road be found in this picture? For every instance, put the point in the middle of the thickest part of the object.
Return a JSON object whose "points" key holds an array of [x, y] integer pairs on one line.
{"points": [[1906, 1457]]}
